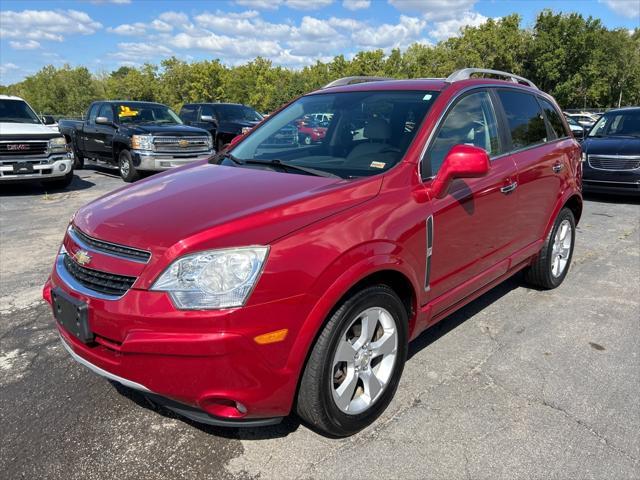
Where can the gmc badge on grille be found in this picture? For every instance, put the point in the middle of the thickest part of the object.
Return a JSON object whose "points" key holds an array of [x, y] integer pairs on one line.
{"points": [[18, 146]]}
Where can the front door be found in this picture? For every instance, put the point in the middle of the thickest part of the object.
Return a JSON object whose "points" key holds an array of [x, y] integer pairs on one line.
{"points": [[473, 231]]}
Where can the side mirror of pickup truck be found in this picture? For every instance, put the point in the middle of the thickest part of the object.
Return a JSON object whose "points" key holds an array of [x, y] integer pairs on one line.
{"points": [[104, 121], [208, 118], [48, 119], [462, 161]]}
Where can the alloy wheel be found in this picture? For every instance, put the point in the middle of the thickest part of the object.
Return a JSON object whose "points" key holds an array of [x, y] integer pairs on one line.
{"points": [[561, 249]]}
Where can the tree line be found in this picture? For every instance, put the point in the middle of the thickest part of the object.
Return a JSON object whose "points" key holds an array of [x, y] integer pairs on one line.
{"points": [[577, 60]]}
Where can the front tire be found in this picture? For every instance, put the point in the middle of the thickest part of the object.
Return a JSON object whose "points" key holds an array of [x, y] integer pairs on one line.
{"points": [[552, 263], [125, 164], [355, 365]]}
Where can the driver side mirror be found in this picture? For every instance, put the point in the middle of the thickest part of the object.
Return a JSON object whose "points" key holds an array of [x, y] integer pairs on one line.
{"points": [[103, 121], [462, 161], [208, 118], [48, 119]]}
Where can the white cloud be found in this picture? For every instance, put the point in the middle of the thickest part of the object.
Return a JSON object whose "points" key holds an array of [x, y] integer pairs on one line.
{"points": [[295, 4], [7, 67], [434, 9], [356, 4], [626, 8], [137, 28], [28, 45], [451, 28], [139, 52], [121, 2], [176, 19], [313, 28], [46, 24], [389, 36]]}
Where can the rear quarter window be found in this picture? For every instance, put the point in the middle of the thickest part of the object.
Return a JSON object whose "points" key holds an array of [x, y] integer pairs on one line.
{"points": [[189, 113], [524, 118], [554, 119]]}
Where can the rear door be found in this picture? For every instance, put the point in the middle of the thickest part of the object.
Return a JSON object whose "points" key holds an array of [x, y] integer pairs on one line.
{"points": [[471, 227], [541, 160], [104, 133]]}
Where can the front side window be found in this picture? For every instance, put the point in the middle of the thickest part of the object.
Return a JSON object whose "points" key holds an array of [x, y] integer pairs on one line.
{"points": [[93, 112], [524, 118], [620, 123], [471, 121], [107, 112], [138, 113], [17, 111], [554, 119], [349, 134], [188, 113]]}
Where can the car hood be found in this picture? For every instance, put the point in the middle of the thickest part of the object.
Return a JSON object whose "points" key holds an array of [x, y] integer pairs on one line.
{"points": [[174, 130], [611, 146], [203, 206], [25, 129]]}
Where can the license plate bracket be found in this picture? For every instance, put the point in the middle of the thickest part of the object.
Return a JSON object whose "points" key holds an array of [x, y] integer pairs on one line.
{"points": [[72, 314], [22, 168]]}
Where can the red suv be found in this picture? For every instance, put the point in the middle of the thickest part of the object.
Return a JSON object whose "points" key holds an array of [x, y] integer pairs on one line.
{"points": [[279, 278]]}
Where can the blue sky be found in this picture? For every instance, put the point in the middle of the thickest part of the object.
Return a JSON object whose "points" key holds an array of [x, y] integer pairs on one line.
{"points": [[105, 34]]}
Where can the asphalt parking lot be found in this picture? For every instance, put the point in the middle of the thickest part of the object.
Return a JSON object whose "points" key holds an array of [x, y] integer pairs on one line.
{"points": [[519, 384]]}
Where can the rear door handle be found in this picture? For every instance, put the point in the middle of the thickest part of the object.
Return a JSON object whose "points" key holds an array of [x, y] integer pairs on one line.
{"points": [[557, 168], [509, 188]]}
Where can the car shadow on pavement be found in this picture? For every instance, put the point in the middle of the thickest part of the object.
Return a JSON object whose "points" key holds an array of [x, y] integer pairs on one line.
{"points": [[604, 198], [27, 189], [288, 425], [457, 318]]}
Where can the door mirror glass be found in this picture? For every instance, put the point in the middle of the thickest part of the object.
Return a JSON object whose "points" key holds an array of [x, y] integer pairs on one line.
{"points": [[462, 161]]}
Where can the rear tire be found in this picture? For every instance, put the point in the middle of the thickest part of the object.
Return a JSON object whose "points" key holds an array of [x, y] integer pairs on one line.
{"points": [[125, 164], [552, 263], [353, 370], [78, 162], [60, 183]]}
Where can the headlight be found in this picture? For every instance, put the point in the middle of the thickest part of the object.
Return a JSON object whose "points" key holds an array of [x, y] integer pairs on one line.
{"points": [[142, 142], [58, 145], [584, 156], [214, 278], [209, 142]]}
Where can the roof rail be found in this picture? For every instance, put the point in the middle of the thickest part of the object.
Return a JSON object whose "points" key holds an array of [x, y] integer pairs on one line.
{"points": [[351, 80], [466, 73]]}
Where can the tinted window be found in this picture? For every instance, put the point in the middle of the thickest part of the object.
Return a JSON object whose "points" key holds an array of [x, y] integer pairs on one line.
{"points": [[17, 111], [524, 118], [622, 122], [93, 113], [138, 112], [554, 119], [189, 113], [106, 111], [208, 110], [471, 121]]}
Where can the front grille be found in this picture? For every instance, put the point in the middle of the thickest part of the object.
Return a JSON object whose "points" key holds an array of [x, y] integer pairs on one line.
{"points": [[111, 248], [107, 283], [22, 149], [181, 144], [614, 163]]}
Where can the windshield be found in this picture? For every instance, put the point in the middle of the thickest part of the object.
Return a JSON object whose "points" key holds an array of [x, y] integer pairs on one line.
{"points": [[621, 123], [17, 111], [350, 134], [135, 113], [238, 112]]}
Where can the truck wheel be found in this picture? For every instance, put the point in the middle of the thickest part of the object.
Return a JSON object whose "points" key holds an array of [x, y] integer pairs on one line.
{"points": [[60, 183], [354, 368], [78, 162], [552, 264], [127, 171]]}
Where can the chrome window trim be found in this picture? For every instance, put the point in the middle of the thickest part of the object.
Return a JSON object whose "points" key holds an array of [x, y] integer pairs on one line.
{"points": [[71, 232], [453, 100]]}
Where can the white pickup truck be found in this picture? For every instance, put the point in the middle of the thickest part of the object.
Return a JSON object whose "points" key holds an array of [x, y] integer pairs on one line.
{"points": [[29, 150]]}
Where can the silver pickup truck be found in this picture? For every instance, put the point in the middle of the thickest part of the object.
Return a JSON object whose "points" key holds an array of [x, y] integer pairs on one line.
{"points": [[29, 150]]}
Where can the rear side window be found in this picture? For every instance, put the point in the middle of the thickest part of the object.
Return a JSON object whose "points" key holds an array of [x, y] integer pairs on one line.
{"points": [[189, 113], [524, 118], [553, 117], [93, 113], [471, 121]]}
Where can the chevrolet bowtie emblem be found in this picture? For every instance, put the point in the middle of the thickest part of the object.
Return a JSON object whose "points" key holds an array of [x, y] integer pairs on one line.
{"points": [[183, 143], [82, 257]]}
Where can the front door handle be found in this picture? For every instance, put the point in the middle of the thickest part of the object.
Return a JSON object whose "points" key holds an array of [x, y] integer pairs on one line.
{"points": [[557, 168], [509, 188]]}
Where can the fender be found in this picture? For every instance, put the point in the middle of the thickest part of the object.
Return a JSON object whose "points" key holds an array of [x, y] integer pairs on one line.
{"points": [[563, 198], [332, 294]]}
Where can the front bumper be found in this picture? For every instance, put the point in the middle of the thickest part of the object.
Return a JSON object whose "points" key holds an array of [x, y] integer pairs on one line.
{"points": [[155, 161], [204, 365], [59, 167], [619, 182]]}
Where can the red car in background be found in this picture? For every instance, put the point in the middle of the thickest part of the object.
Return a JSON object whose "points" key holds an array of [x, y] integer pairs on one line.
{"points": [[278, 277], [311, 131]]}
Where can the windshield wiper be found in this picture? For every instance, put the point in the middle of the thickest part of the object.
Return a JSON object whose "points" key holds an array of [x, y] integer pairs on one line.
{"points": [[291, 166], [216, 158]]}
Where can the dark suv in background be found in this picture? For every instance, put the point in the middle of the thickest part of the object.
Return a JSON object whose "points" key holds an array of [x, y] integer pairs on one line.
{"points": [[223, 121], [611, 153]]}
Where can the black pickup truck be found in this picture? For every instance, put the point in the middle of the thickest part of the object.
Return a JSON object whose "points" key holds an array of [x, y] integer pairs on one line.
{"points": [[135, 136], [223, 121]]}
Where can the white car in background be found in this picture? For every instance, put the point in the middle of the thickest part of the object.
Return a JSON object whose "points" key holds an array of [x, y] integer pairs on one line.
{"points": [[30, 151]]}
